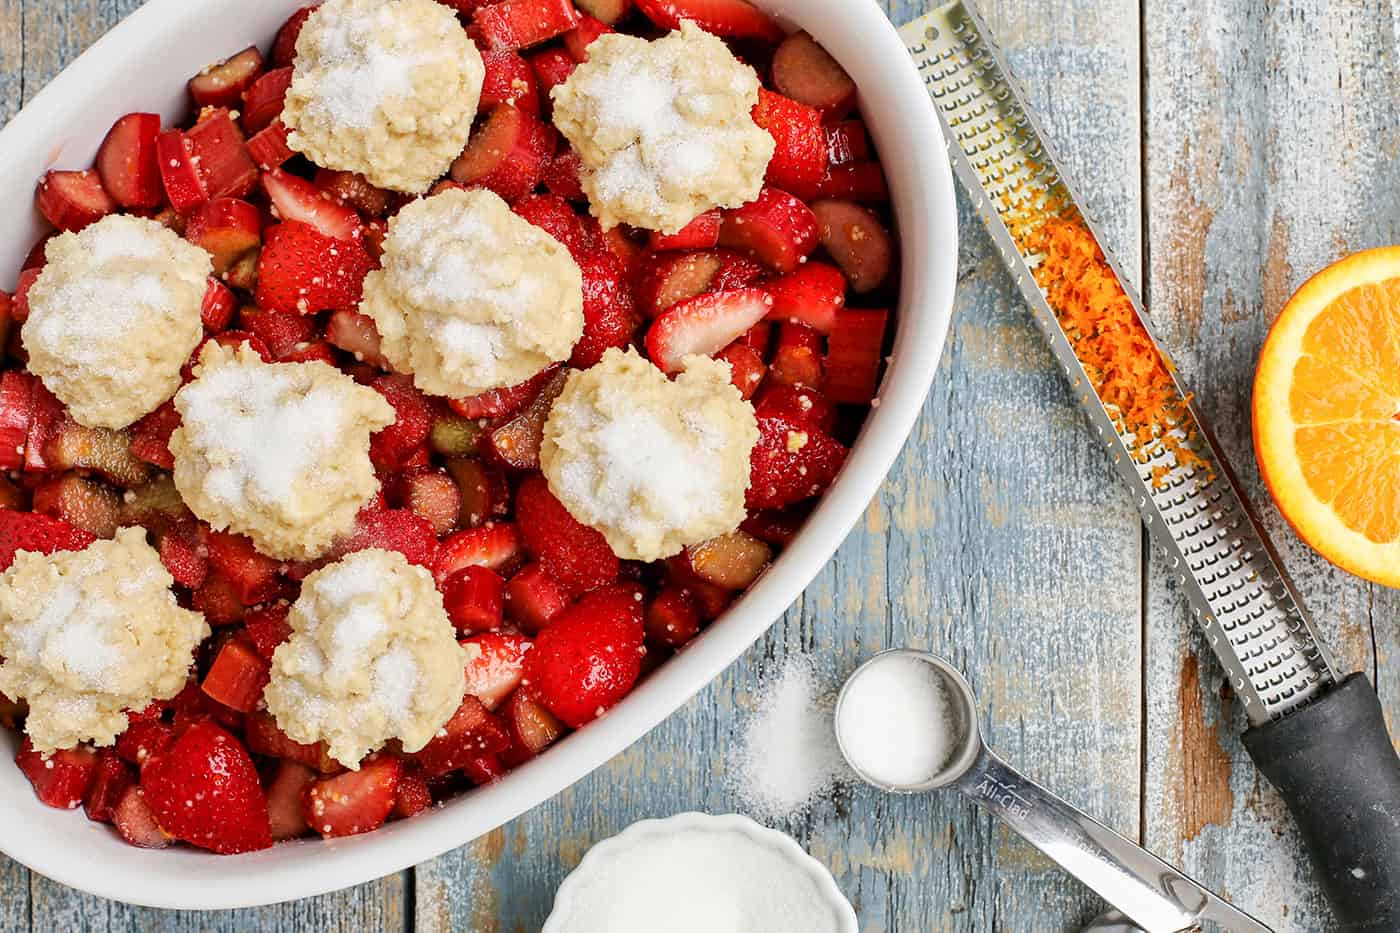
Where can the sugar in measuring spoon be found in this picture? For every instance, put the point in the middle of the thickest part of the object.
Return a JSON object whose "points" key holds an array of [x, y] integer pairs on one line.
{"points": [[907, 722]]}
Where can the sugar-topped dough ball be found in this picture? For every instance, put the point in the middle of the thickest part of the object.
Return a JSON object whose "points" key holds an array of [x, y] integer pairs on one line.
{"points": [[87, 635], [113, 316], [654, 464], [386, 88], [664, 128], [472, 297], [372, 657], [276, 451]]}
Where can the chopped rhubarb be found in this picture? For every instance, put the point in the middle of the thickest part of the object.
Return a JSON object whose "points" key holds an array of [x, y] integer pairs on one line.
{"points": [[485, 494], [731, 561], [81, 501], [668, 278], [519, 24], [227, 228], [672, 618], [354, 191], [857, 181], [700, 233], [472, 732], [220, 155], [517, 442], [807, 73], [854, 352], [61, 779], [73, 200], [474, 598], [237, 677], [16, 415], [286, 816], [137, 824], [184, 187], [263, 736], [533, 728], [509, 80], [847, 141], [127, 163], [284, 44], [71, 446], [223, 84], [355, 334], [797, 358], [732, 19], [858, 241], [268, 147], [578, 39], [507, 153], [268, 628], [217, 310], [433, 495], [110, 781], [533, 598], [262, 102], [46, 420], [746, 367]]}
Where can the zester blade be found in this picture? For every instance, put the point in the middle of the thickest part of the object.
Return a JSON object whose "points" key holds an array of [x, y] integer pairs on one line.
{"points": [[1237, 589]]}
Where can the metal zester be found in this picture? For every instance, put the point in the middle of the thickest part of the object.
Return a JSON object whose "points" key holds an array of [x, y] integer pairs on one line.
{"points": [[1319, 737]]}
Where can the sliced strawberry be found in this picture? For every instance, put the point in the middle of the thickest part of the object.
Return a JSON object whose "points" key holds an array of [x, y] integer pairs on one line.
{"points": [[776, 527], [571, 552], [137, 824], [61, 779], [46, 419], [854, 352], [73, 200], [391, 447], [284, 46], [552, 68], [286, 816], [16, 416], [608, 11], [588, 658], [731, 19], [622, 242], [812, 295], [533, 728], [268, 147], [474, 598], [534, 598], [414, 795], [858, 241], [354, 191], [552, 214], [800, 157], [495, 665], [746, 367], [806, 72], [847, 141], [356, 801], [184, 187], [858, 181], [110, 780], [700, 233], [578, 39], [227, 228], [220, 155], [609, 317], [509, 80], [126, 161], [507, 153], [302, 270], [223, 84], [561, 174], [705, 325], [517, 442], [519, 24], [791, 462], [219, 599], [486, 769], [355, 334], [493, 546], [29, 531], [263, 101], [19, 307], [471, 733], [297, 199], [219, 304], [800, 404], [390, 530], [668, 278], [672, 618], [797, 358], [183, 553], [736, 270], [238, 675], [81, 501], [255, 577], [205, 791], [279, 331], [263, 736], [268, 628], [777, 228], [144, 739]]}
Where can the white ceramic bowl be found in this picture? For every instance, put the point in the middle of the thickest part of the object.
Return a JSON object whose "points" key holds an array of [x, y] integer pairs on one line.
{"points": [[143, 64], [683, 823]]}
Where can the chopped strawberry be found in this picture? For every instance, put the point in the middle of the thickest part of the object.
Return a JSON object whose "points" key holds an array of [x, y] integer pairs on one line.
{"points": [[184, 554], [731, 19], [61, 779], [227, 228], [254, 577], [137, 824], [672, 618], [268, 147], [354, 191], [390, 530], [847, 141], [284, 46], [286, 817], [552, 68], [126, 161], [414, 795], [746, 367], [853, 355], [704, 325], [356, 801], [588, 658], [238, 675], [19, 309], [16, 416], [507, 153], [390, 447], [800, 404], [46, 419], [700, 233], [517, 442], [297, 199], [791, 462], [263, 736], [736, 270], [609, 317], [797, 358], [144, 739], [813, 295], [607, 11], [578, 39], [279, 331], [223, 84], [268, 628], [302, 270], [205, 791], [219, 599], [110, 780], [777, 228], [534, 598], [30, 531], [806, 72], [552, 214], [519, 24], [486, 769], [571, 552], [509, 80], [622, 242], [218, 307], [495, 665], [355, 334], [777, 527], [858, 181], [474, 598], [533, 728], [472, 732], [857, 240], [262, 102], [73, 200], [493, 546], [800, 157], [561, 174], [184, 187], [220, 155]]}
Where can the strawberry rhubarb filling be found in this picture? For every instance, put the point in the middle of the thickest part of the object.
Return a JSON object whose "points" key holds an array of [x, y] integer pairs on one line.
{"points": [[322, 503]]}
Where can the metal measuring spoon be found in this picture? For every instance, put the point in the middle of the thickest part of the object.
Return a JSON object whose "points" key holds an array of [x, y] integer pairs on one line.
{"points": [[1155, 895]]}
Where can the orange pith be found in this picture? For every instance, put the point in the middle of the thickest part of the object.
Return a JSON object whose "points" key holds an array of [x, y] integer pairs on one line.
{"points": [[1327, 413]]}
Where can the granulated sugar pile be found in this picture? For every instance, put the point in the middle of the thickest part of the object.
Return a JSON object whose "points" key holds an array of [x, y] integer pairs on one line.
{"points": [[787, 756]]}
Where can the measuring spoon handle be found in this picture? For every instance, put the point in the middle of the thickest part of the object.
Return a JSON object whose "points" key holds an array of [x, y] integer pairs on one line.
{"points": [[1155, 895]]}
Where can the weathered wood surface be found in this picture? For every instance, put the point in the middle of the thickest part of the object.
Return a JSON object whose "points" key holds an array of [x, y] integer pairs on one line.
{"points": [[1263, 137]]}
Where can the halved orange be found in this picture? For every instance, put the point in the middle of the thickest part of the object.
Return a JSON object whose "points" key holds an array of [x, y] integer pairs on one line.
{"points": [[1327, 413]]}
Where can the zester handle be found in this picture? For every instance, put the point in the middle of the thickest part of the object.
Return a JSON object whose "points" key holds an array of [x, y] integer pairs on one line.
{"points": [[1333, 762]]}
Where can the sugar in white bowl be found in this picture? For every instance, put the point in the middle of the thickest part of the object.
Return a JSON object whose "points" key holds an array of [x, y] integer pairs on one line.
{"points": [[896, 722]]}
